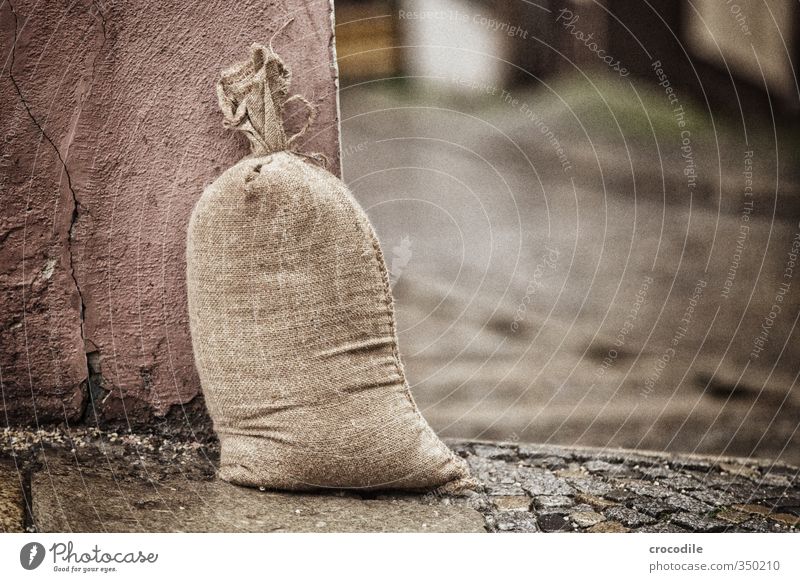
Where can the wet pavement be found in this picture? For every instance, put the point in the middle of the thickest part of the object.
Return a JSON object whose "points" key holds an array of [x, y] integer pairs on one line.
{"points": [[567, 276], [91, 481]]}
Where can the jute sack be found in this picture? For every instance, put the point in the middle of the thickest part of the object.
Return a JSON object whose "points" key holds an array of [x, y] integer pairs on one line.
{"points": [[292, 319]]}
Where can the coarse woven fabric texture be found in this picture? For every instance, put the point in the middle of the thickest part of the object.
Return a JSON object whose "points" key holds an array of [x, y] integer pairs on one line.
{"points": [[292, 319]]}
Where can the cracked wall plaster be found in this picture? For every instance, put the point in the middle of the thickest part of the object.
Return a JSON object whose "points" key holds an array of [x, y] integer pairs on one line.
{"points": [[110, 131]]}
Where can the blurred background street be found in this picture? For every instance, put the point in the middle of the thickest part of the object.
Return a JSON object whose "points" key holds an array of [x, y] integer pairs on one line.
{"points": [[590, 212]]}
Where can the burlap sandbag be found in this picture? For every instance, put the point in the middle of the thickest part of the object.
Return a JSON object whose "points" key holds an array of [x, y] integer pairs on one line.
{"points": [[292, 319]]}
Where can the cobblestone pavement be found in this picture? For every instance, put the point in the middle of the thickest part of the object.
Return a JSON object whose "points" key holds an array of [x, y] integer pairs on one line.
{"points": [[88, 480], [548, 488]]}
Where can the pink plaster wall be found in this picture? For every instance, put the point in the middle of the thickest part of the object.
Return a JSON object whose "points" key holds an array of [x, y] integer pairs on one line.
{"points": [[114, 136]]}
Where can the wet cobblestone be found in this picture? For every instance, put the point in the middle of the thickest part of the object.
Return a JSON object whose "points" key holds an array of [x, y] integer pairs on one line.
{"points": [[525, 488], [610, 490]]}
